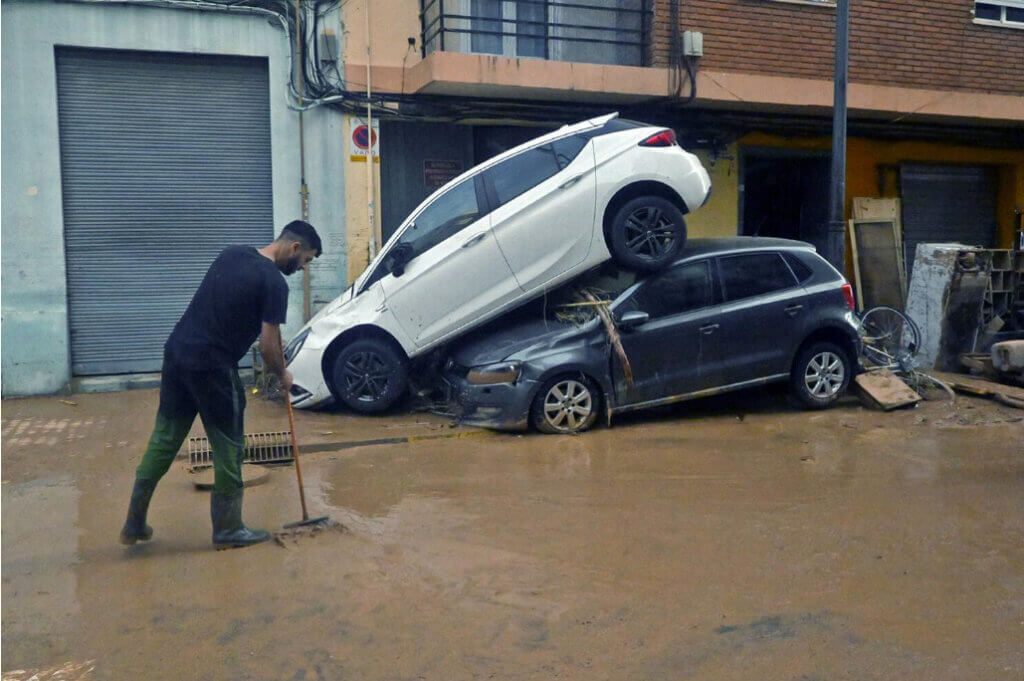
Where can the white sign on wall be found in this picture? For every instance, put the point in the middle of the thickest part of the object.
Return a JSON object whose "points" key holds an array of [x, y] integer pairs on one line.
{"points": [[361, 140]]}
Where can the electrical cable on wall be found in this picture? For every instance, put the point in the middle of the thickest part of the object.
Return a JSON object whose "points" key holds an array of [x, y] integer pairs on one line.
{"points": [[323, 83], [679, 61]]}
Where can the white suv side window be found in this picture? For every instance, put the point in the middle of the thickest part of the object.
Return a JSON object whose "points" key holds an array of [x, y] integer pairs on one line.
{"points": [[452, 212], [529, 168]]}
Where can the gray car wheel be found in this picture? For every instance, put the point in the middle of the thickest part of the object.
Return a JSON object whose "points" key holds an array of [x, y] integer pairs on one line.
{"points": [[820, 375], [566, 404]]}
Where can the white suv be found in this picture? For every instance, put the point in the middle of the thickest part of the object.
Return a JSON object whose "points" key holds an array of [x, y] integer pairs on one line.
{"points": [[493, 238]]}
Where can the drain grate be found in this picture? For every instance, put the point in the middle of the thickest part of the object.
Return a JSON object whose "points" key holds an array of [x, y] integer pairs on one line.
{"points": [[259, 448]]}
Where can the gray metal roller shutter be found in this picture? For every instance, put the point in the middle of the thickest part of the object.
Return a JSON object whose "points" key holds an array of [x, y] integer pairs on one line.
{"points": [[165, 161], [947, 204]]}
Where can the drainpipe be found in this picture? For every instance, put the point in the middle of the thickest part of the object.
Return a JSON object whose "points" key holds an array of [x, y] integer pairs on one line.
{"points": [[303, 188], [370, 209], [836, 245]]}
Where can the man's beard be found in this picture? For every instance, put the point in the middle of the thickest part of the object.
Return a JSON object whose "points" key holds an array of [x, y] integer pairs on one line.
{"points": [[291, 266]]}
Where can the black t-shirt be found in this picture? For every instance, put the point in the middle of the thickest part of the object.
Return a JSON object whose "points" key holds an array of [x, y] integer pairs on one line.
{"points": [[241, 290]]}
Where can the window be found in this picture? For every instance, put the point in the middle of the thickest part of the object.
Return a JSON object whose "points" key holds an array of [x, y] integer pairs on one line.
{"points": [[799, 267], [527, 169], [818, 3], [591, 31], [488, 31], [449, 214], [531, 29], [1000, 13], [486, 36], [680, 289], [615, 125], [568, 148], [746, 276]]}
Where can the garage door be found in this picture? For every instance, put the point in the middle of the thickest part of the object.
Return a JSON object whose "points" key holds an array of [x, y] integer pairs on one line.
{"points": [[947, 204], [165, 160]]}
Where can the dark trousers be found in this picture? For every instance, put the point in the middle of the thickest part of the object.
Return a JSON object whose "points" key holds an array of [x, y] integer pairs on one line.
{"points": [[219, 399]]}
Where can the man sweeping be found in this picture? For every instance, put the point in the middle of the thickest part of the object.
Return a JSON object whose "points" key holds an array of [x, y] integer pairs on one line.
{"points": [[242, 296]]}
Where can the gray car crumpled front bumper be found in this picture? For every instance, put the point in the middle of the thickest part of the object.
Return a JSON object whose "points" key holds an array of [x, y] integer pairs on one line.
{"points": [[501, 406]]}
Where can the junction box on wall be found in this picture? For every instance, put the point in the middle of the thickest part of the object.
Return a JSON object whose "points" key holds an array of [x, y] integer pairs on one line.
{"points": [[693, 44]]}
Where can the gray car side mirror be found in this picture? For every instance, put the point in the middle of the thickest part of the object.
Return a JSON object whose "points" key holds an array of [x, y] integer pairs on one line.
{"points": [[633, 319]]}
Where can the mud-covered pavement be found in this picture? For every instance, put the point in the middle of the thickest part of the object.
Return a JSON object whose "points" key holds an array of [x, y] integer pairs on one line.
{"points": [[736, 538]]}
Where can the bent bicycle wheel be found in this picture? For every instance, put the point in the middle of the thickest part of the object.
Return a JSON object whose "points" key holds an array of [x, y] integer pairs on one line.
{"points": [[889, 339]]}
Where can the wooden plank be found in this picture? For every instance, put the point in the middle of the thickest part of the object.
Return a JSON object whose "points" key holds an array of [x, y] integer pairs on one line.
{"points": [[885, 390], [975, 385], [870, 208]]}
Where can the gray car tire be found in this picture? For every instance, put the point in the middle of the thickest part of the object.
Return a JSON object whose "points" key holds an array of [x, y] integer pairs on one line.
{"points": [[565, 405], [369, 375], [647, 234], [821, 374]]}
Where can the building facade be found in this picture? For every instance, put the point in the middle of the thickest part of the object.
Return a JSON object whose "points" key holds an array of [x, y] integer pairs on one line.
{"points": [[139, 140], [936, 100], [140, 137]]}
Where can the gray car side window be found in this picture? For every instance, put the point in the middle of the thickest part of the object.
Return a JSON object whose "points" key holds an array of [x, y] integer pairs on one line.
{"points": [[683, 288], [799, 267], [754, 274]]}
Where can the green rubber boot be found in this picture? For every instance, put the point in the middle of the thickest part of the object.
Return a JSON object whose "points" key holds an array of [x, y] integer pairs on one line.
{"points": [[228, 530], [135, 527]]}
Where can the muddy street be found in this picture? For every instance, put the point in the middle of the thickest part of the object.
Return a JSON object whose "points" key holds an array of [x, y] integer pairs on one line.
{"points": [[734, 538]]}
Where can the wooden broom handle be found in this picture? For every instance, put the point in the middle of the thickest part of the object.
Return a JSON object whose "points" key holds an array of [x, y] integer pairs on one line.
{"points": [[295, 455]]}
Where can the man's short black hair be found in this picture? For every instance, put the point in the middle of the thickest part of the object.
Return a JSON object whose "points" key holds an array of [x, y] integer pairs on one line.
{"points": [[303, 232]]}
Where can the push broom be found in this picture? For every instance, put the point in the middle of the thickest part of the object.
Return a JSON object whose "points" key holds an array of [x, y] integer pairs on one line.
{"points": [[322, 521]]}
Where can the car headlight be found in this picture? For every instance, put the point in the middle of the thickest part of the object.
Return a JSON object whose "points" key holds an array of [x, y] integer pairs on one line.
{"points": [[504, 372], [294, 345]]}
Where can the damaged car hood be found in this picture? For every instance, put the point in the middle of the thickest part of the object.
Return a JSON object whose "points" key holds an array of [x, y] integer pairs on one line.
{"points": [[496, 345]]}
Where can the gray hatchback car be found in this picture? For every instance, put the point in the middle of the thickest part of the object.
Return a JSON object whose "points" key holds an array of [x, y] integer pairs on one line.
{"points": [[728, 314]]}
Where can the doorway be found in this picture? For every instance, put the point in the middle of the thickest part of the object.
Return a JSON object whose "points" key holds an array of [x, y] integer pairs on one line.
{"points": [[785, 194]]}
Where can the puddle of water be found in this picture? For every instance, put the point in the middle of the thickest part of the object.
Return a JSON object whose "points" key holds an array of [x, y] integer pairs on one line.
{"points": [[673, 547]]}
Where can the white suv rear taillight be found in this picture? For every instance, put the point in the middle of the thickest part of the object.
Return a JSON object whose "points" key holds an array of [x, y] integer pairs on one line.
{"points": [[664, 138]]}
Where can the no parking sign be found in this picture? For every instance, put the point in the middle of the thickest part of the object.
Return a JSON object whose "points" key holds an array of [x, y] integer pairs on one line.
{"points": [[362, 139]]}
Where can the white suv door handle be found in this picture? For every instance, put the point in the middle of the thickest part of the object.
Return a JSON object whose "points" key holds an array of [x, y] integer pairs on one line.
{"points": [[476, 239], [571, 181]]}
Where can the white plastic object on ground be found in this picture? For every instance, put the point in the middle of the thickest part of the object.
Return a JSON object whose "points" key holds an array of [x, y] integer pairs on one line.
{"points": [[1008, 355]]}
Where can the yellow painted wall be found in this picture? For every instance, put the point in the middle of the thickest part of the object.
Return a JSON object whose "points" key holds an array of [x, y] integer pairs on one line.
{"points": [[864, 156], [720, 215], [358, 231]]}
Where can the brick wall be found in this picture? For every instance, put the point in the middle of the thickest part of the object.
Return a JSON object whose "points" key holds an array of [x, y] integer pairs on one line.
{"points": [[909, 43]]}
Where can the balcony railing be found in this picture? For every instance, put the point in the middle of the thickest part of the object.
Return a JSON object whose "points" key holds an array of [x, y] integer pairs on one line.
{"points": [[592, 31]]}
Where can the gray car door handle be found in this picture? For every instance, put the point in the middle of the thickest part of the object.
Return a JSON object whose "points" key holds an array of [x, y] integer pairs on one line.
{"points": [[474, 240], [791, 310], [571, 181], [709, 329]]}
